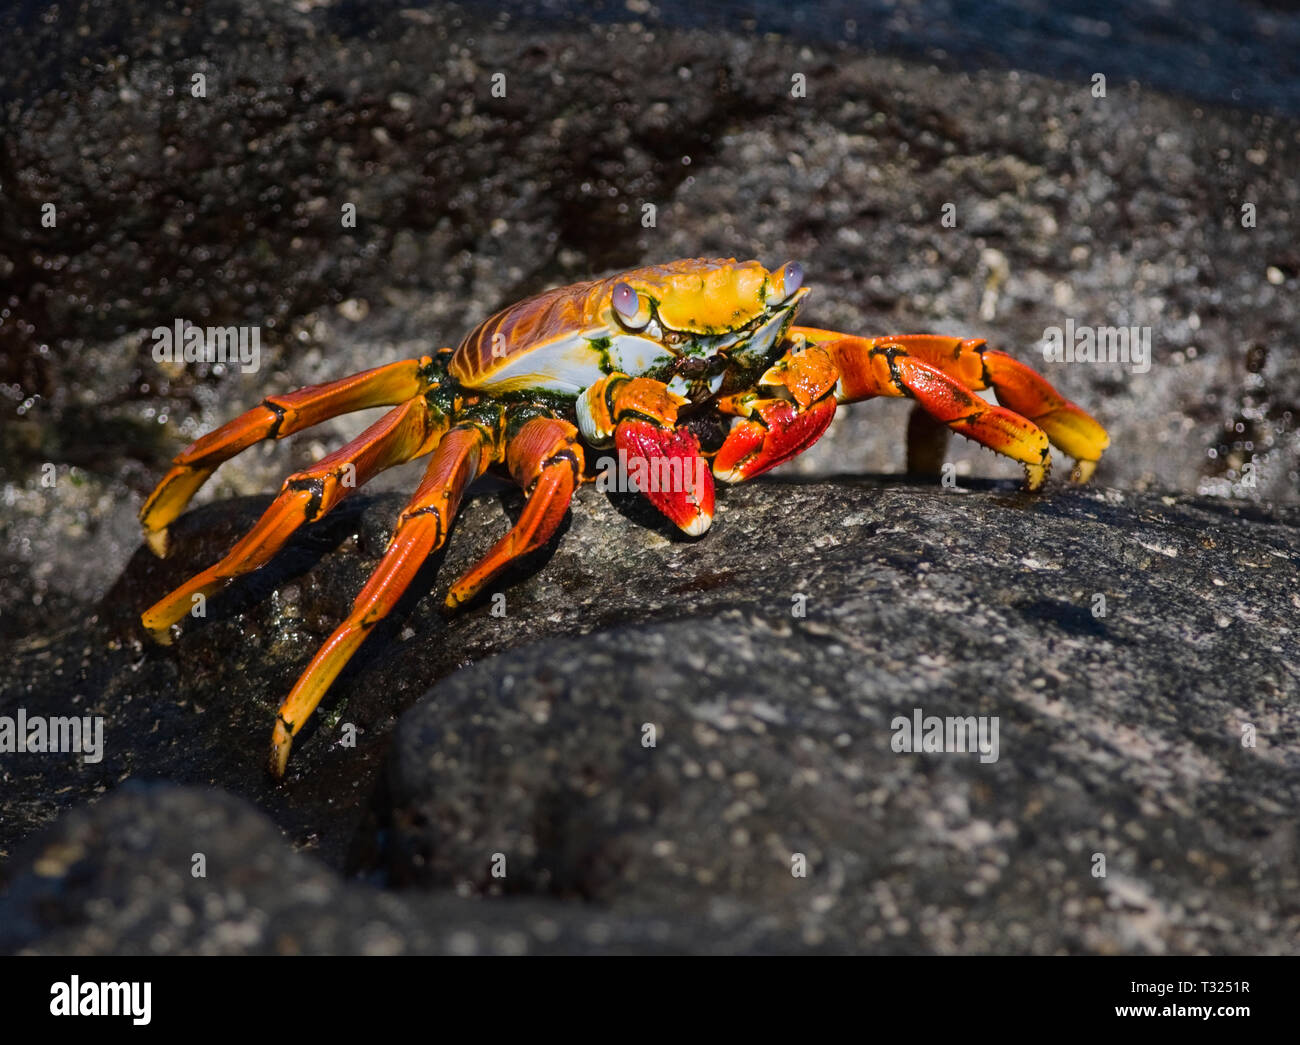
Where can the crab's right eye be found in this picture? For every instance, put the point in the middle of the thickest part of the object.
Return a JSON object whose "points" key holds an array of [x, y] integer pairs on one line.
{"points": [[628, 306]]}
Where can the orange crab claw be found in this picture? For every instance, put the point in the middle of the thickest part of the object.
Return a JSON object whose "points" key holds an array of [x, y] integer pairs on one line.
{"points": [[665, 465]]}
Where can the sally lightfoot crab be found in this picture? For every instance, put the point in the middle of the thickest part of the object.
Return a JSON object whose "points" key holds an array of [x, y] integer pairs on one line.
{"points": [[696, 362]]}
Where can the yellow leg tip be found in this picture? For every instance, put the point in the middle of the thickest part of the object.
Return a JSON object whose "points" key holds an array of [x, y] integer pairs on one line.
{"points": [[158, 541], [1036, 475], [1083, 471], [281, 744], [160, 633]]}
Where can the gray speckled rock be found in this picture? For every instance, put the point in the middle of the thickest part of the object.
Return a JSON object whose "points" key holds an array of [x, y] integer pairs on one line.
{"points": [[1119, 735], [119, 878]]}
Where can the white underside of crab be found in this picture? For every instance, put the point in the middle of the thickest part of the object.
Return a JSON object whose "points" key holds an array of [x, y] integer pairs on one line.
{"points": [[571, 364]]}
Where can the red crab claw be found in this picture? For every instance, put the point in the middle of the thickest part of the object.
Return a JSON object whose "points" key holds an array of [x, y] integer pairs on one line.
{"points": [[774, 433], [666, 467]]}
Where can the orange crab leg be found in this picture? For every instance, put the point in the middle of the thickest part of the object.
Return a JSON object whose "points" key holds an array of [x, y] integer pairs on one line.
{"points": [[770, 431], [884, 367], [462, 456], [400, 435], [274, 418], [1069, 427], [546, 459], [1018, 388], [641, 414]]}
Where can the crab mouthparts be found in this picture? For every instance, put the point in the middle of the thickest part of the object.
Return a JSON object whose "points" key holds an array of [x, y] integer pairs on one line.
{"points": [[680, 342]]}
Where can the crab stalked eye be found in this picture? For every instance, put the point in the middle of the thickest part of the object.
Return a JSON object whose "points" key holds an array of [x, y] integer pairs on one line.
{"points": [[783, 284], [628, 306], [791, 277]]}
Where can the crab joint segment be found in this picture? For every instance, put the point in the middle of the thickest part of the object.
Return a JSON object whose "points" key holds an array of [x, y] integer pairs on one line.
{"points": [[611, 399], [546, 459], [885, 367], [461, 457], [400, 435], [274, 418], [1068, 426]]}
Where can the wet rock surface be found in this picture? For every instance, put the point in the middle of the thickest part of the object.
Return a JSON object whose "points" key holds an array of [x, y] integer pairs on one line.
{"points": [[1119, 734], [1122, 210]]}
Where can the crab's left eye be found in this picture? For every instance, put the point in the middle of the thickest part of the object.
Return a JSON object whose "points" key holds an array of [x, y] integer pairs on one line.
{"points": [[791, 277], [628, 306]]}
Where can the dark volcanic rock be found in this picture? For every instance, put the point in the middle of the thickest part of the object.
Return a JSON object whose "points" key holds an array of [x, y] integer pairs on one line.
{"points": [[119, 879], [1119, 735]]}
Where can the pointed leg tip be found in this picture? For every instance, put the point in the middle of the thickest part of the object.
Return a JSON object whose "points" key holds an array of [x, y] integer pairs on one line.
{"points": [[1083, 471], [281, 743], [159, 541], [1035, 476]]}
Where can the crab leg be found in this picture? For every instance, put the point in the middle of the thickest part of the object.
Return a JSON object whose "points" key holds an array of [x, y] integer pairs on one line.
{"points": [[400, 435], [545, 458], [884, 367], [640, 414], [1018, 388], [462, 456], [274, 418], [1069, 427], [769, 431]]}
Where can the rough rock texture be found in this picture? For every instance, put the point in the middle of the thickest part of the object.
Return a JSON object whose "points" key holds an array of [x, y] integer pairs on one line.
{"points": [[226, 210], [1119, 734], [120, 879]]}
